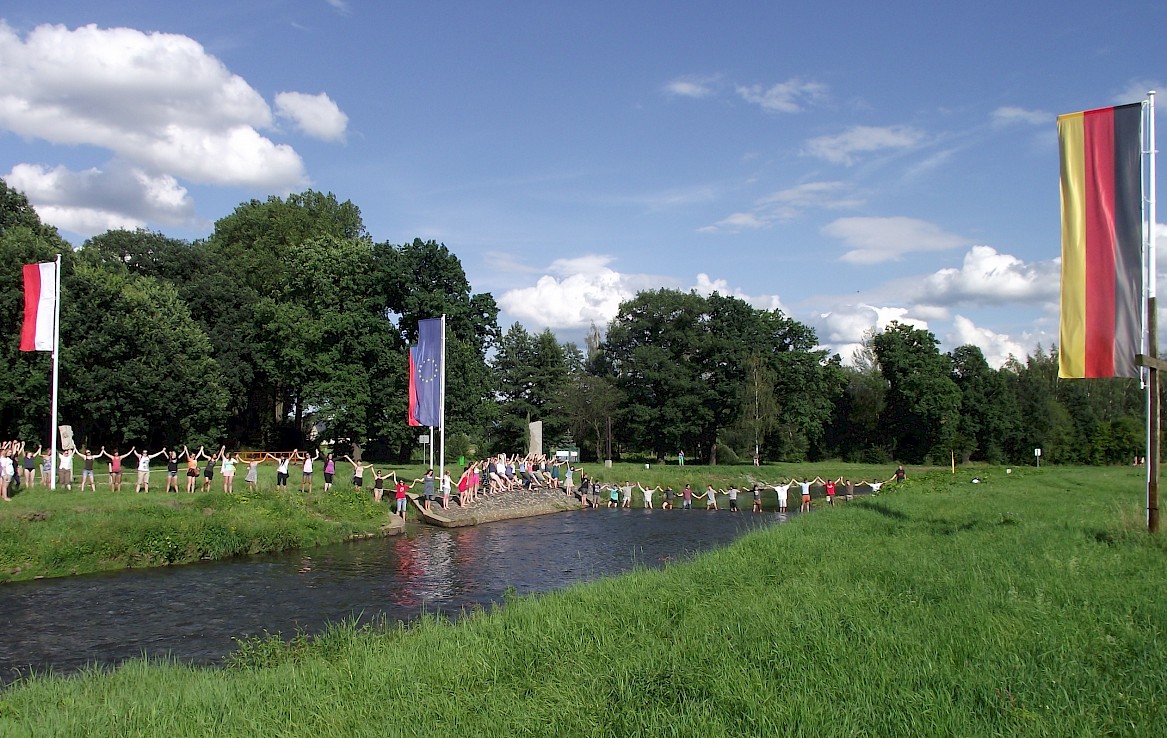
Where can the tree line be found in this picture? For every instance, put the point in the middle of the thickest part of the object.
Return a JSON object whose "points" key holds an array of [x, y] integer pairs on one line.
{"points": [[289, 325]]}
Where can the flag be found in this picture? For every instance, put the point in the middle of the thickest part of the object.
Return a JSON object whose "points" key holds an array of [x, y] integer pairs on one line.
{"points": [[40, 306], [412, 389], [1102, 265], [427, 372]]}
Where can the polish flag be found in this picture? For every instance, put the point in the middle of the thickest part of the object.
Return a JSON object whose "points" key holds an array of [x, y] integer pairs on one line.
{"points": [[40, 303]]}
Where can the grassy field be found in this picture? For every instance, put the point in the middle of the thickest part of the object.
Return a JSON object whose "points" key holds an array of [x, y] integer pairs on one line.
{"points": [[1031, 604]]}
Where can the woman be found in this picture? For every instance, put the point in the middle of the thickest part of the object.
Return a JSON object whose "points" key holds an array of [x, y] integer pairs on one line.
{"points": [[28, 469], [7, 470], [358, 472], [115, 467], [252, 477], [192, 468], [329, 471], [228, 469], [306, 476], [282, 471], [171, 472], [209, 468], [144, 459]]}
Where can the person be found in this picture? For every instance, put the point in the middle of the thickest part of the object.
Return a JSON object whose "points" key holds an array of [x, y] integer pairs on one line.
{"points": [[805, 485], [306, 476], [849, 489], [358, 471], [900, 473], [626, 492], [28, 469], [829, 486], [444, 487], [876, 485], [668, 503], [399, 494], [209, 468], [687, 497], [282, 472], [378, 483], [647, 492], [252, 477], [464, 486], [613, 496], [783, 491], [87, 460], [710, 498], [568, 479], [732, 494], [757, 490], [115, 467], [47, 468], [7, 472], [192, 468], [329, 471], [680, 458], [144, 458], [171, 472], [65, 469], [228, 469], [427, 487]]}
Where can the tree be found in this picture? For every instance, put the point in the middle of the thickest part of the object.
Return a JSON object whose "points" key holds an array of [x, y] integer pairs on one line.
{"points": [[989, 411], [923, 403]]}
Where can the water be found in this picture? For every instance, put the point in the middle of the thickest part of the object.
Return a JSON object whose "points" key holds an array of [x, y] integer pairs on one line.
{"points": [[194, 613]]}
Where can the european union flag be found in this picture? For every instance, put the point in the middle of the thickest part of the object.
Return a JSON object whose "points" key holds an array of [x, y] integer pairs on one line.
{"points": [[427, 372]]}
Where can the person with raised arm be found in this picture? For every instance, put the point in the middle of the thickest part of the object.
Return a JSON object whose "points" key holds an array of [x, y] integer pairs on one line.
{"points": [[829, 487], [252, 477], [427, 487], [28, 468], [647, 492], [7, 472], [757, 491], [192, 468], [209, 468], [282, 470], [399, 494], [783, 491], [626, 495], [115, 467], [378, 483], [710, 498], [306, 474], [230, 460], [144, 459], [805, 484], [171, 472], [358, 471], [876, 485], [65, 469], [329, 471], [87, 462]]}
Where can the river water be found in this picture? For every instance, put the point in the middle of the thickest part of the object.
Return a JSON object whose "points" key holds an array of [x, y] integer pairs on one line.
{"points": [[194, 613]]}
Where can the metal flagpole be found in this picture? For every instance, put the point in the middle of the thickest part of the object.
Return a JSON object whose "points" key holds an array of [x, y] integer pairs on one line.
{"points": [[56, 365], [442, 407], [1153, 410], [431, 448]]}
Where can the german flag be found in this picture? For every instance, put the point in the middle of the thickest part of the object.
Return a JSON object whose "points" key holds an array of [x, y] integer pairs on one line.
{"points": [[1102, 236]]}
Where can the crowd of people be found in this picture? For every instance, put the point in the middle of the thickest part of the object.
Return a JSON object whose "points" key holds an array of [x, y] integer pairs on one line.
{"points": [[496, 475]]}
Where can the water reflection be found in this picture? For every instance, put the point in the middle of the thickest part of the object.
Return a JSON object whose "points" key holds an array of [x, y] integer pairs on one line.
{"points": [[194, 613]]}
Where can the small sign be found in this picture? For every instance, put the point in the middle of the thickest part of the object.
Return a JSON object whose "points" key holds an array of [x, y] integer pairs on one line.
{"points": [[424, 439], [1037, 452]]}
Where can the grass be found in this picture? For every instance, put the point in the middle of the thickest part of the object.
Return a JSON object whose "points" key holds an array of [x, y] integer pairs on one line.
{"points": [[1029, 605]]}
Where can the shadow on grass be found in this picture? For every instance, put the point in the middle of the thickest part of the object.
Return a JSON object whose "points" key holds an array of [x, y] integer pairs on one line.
{"points": [[884, 510]]}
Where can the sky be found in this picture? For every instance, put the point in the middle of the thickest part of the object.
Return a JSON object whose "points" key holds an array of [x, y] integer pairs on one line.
{"points": [[852, 163]]}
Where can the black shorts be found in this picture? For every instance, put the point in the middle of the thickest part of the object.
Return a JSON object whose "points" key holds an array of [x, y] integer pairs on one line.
{"points": [[358, 481], [281, 479], [209, 474], [328, 477]]}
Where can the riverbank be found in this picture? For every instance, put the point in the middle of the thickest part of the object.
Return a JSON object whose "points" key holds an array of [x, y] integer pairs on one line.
{"points": [[525, 503], [1029, 604], [67, 532]]}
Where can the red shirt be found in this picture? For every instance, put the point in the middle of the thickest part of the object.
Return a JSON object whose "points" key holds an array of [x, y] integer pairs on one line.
{"points": [[401, 489], [830, 489]]}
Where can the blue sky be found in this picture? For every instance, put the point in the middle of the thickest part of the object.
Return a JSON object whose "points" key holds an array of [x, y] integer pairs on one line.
{"points": [[852, 163]]}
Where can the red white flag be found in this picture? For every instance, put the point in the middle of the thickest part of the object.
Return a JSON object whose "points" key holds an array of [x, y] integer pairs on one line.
{"points": [[40, 304]]}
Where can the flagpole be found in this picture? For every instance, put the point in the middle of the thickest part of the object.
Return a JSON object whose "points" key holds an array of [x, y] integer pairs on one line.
{"points": [[56, 365], [442, 407], [1153, 409]]}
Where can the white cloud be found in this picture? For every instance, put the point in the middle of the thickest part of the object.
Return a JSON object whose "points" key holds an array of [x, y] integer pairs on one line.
{"points": [[785, 205], [706, 286], [790, 96], [841, 148], [695, 86], [989, 277], [842, 329], [875, 240], [1008, 115], [577, 293], [95, 200], [997, 347], [315, 115], [157, 100], [340, 6], [1136, 90]]}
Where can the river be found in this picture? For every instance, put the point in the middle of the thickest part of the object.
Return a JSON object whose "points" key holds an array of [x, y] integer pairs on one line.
{"points": [[194, 613]]}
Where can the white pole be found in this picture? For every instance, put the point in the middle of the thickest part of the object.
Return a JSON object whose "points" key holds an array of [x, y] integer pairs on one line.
{"points": [[1152, 338], [1151, 216], [442, 407], [56, 364], [431, 447]]}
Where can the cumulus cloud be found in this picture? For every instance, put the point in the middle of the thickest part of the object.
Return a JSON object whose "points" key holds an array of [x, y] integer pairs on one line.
{"points": [[706, 286], [695, 86], [1008, 115], [315, 115], [577, 293], [997, 347], [875, 240], [842, 329], [785, 205], [157, 100], [96, 200], [842, 148], [790, 96], [987, 277]]}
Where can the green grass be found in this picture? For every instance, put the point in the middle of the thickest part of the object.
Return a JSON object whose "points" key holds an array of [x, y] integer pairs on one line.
{"points": [[1029, 605]]}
